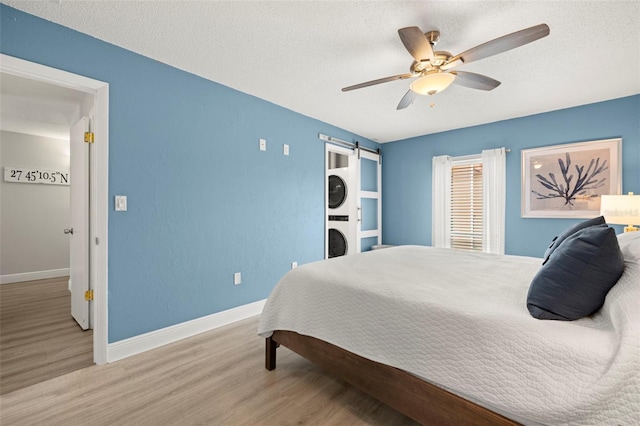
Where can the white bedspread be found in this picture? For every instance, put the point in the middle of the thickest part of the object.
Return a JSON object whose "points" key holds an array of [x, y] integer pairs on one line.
{"points": [[459, 319]]}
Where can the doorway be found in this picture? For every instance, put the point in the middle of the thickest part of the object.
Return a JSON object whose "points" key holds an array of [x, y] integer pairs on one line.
{"points": [[39, 338], [340, 204], [98, 104]]}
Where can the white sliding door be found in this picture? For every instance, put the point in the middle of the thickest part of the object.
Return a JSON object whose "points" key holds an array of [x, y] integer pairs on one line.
{"points": [[369, 200]]}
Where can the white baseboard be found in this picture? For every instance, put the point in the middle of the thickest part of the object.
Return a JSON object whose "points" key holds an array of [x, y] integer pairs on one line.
{"points": [[154, 339], [31, 276]]}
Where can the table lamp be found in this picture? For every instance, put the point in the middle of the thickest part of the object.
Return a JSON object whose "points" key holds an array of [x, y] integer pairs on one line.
{"points": [[621, 210]]}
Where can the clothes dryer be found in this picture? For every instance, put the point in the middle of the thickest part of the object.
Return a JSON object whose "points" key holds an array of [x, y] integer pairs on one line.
{"points": [[338, 195]]}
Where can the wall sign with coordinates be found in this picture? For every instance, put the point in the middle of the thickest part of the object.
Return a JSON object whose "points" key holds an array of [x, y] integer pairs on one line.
{"points": [[36, 175]]}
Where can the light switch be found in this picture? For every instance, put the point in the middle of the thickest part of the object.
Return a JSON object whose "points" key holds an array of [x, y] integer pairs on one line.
{"points": [[285, 149], [121, 203], [263, 144]]}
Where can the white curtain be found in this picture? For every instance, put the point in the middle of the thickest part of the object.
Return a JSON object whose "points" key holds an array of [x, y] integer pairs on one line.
{"points": [[441, 202], [494, 195]]}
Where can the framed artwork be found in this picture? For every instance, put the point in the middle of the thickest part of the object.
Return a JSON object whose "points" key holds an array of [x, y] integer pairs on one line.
{"points": [[568, 180]]}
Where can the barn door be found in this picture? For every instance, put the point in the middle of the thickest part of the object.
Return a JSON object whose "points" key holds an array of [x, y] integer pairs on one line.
{"points": [[369, 200]]}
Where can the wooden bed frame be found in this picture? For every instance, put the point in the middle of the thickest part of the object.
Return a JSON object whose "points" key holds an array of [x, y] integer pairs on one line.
{"points": [[420, 400]]}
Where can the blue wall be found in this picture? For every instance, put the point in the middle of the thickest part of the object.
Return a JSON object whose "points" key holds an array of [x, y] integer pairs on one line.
{"points": [[203, 201], [407, 171]]}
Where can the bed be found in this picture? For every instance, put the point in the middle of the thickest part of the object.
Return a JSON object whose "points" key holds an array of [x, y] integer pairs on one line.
{"points": [[445, 337]]}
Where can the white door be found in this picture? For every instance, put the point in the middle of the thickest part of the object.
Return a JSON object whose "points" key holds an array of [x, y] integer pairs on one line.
{"points": [[79, 228], [369, 196]]}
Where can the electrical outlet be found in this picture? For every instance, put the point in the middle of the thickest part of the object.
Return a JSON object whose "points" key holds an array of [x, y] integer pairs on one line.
{"points": [[237, 278], [263, 144], [294, 265]]}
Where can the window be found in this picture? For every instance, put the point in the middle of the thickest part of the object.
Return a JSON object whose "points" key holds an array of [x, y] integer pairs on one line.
{"points": [[468, 201], [466, 205]]}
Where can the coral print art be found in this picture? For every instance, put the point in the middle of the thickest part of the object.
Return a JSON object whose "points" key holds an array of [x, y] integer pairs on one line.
{"points": [[568, 180]]}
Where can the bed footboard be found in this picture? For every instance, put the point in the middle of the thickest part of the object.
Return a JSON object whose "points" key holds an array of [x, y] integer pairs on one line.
{"points": [[420, 400]]}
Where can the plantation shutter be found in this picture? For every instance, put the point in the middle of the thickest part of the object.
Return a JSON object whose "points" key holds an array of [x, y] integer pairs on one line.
{"points": [[466, 206]]}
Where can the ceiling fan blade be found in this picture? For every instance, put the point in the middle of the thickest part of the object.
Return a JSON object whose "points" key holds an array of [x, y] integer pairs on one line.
{"points": [[504, 43], [407, 99], [416, 43], [378, 81], [475, 81]]}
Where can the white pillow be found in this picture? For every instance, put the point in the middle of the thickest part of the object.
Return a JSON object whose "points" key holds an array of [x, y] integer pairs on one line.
{"points": [[630, 245]]}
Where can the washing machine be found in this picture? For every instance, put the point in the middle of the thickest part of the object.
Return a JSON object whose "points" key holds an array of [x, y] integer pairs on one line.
{"points": [[339, 240]]}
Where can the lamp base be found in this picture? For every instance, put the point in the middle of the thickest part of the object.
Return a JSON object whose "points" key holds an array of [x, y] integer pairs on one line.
{"points": [[631, 228]]}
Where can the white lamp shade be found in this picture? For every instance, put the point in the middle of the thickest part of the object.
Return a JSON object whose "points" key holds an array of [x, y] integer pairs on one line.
{"points": [[620, 209], [432, 83]]}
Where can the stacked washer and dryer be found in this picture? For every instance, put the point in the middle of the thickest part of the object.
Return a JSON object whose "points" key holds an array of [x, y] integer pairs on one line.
{"points": [[341, 204]]}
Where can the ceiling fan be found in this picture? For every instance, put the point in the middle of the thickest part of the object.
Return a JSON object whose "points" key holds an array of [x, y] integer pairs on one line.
{"points": [[434, 68]]}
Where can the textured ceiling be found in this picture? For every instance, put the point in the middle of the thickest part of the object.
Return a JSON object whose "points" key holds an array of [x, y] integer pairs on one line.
{"points": [[299, 54]]}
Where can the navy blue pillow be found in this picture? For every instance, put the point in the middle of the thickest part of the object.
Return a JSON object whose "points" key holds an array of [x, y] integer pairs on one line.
{"points": [[577, 278], [555, 243]]}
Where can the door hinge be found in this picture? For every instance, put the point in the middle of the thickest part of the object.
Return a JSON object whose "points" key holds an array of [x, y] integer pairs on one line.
{"points": [[88, 295], [88, 137]]}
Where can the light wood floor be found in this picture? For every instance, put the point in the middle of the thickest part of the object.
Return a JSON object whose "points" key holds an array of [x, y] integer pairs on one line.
{"points": [[39, 339], [214, 378]]}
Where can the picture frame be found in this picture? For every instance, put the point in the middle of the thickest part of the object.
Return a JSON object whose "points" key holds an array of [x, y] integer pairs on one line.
{"points": [[566, 181]]}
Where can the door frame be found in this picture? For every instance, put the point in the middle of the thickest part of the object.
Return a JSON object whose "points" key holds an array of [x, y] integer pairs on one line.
{"points": [[99, 184]]}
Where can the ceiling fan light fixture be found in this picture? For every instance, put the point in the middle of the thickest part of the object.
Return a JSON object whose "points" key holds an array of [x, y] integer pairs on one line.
{"points": [[431, 84]]}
